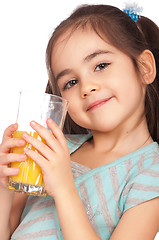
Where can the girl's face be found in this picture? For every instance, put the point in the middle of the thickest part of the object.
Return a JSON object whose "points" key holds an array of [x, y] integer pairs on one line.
{"points": [[99, 81]]}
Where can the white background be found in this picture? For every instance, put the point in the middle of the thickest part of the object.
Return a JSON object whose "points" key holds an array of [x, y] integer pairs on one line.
{"points": [[25, 28]]}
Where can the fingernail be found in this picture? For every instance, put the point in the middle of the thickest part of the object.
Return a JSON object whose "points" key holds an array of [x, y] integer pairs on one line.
{"points": [[16, 170], [23, 157], [26, 149], [14, 126], [25, 135], [49, 120], [21, 141], [33, 123]]}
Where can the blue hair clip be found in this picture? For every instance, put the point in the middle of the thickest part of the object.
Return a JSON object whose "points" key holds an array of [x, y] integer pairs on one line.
{"points": [[133, 10]]}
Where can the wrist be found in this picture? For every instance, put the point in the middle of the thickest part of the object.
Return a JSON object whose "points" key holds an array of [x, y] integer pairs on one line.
{"points": [[65, 192]]}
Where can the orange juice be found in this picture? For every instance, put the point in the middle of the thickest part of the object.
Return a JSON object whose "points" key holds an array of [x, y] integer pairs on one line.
{"points": [[30, 175]]}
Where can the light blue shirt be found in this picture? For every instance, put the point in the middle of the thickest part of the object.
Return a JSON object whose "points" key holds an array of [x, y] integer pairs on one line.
{"points": [[106, 193]]}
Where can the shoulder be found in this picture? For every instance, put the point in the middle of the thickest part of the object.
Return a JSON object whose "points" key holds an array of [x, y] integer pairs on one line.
{"points": [[140, 196], [142, 183]]}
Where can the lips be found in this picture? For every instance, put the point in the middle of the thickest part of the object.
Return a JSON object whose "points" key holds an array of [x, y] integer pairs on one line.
{"points": [[97, 104]]}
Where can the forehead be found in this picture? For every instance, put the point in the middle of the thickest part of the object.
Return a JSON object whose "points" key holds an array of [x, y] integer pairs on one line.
{"points": [[78, 42], [80, 32]]}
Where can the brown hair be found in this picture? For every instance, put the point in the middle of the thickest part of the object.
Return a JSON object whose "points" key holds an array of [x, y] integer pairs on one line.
{"points": [[122, 32]]}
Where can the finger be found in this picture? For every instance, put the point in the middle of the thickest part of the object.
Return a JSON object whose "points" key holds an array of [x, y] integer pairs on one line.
{"points": [[11, 143], [38, 145], [50, 139], [9, 131], [6, 171], [57, 132], [39, 159], [12, 157]]}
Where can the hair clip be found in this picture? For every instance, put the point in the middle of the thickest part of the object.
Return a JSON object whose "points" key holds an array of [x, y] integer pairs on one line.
{"points": [[133, 10]]}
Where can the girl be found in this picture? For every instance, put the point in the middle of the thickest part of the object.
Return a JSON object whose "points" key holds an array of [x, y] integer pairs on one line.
{"points": [[105, 185]]}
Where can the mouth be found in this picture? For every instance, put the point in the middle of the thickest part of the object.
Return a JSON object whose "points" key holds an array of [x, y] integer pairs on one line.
{"points": [[97, 104]]}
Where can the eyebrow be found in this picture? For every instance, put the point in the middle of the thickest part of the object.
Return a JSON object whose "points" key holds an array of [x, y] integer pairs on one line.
{"points": [[86, 59], [94, 54], [63, 73]]}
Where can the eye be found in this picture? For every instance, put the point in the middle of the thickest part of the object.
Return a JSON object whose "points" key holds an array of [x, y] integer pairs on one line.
{"points": [[70, 84], [101, 66]]}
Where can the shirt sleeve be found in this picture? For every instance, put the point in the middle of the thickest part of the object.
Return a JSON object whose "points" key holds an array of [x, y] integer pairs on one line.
{"points": [[144, 186], [75, 141]]}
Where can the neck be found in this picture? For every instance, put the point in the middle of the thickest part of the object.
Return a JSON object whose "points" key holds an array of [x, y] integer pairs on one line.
{"points": [[123, 140]]}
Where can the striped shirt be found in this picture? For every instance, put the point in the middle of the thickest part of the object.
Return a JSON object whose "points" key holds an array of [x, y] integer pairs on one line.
{"points": [[106, 193]]}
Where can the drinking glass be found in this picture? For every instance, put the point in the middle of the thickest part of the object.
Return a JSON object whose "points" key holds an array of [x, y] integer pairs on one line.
{"points": [[39, 107]]}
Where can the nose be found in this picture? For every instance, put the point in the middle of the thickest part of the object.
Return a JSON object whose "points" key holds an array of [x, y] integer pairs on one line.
{"points": [[89, 89], [88, 93]]}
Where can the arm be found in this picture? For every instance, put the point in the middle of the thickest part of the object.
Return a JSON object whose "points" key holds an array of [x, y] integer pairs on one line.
{"points": [[11, 208], [72, 216], [11, 204], [6, 199], [140, 222], [17, 208], [54, 160]]}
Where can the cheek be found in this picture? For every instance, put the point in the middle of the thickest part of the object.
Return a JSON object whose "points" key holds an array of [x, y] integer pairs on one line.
{"points": [[132, 94], [73, 111], [73, 101], [76, 114]]}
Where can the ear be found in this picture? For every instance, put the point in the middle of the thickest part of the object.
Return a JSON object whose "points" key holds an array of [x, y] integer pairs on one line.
{"points": [[147, 66]]}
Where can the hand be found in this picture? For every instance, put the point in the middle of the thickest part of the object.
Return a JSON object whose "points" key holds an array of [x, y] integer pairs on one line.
{"points": [[53, 157], [6, 157]]}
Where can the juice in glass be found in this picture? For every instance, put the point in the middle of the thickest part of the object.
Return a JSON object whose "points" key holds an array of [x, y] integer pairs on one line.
{"points": [[30, 178], [39, 107]]}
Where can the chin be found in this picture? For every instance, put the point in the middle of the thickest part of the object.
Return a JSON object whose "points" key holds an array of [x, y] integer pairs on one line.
{"points": [[105, 128]]}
